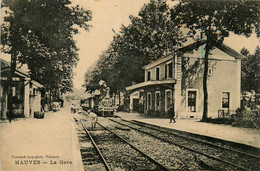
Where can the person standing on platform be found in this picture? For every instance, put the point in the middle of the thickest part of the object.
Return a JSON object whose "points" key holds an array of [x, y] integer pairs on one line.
{"points": [[172, 114]]}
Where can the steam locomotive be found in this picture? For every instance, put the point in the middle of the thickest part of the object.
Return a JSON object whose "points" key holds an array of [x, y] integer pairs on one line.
{"points": [[102, 106]]}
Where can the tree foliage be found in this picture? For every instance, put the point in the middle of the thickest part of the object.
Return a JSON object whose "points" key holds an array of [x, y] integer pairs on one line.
{"points": [[41, 33], [250, 70]]}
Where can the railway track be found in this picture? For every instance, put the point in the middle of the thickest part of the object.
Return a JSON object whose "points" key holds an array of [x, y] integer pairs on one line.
{"points": [[219, 143], [99, 141], [238, 160], [96, 147]]}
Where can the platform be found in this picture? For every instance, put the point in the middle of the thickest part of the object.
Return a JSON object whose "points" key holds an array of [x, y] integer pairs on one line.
{"points": [[246, 136], [41, 144]]}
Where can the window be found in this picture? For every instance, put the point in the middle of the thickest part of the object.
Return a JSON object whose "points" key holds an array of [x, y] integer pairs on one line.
{"points": [[148, 75], [157, 73], [225, 99], [157, 101], [165, 72], [168, 70], [192, 101], [210, 71], [149, 101], [168, 99]]}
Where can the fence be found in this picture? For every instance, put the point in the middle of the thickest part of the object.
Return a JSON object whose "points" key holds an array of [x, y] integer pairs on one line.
{"points": [[225, 113]]}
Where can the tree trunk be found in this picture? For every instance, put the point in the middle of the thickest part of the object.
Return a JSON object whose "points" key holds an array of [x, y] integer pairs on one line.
{"points": [[4, 103], [205, 89], [10, 84]]}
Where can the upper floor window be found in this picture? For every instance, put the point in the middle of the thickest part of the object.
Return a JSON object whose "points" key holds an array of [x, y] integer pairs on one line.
{"points": [[148, 75], [157, 73], [168, 70], [210, 71]]}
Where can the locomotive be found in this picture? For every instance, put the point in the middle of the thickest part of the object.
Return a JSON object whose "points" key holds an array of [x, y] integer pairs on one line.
{"points": [[102, 106]]}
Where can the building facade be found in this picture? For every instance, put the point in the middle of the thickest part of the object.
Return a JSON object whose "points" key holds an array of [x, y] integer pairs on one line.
{"points": [[177, 80], [25, 92]]}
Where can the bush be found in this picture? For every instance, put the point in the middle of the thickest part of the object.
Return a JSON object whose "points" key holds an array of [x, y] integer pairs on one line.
{"points": [[227, 121], [247, 117]]}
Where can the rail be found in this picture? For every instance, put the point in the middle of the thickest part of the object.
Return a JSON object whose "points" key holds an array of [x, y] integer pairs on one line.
{"points": [[96, 147], [137, 149], [185, 147]]}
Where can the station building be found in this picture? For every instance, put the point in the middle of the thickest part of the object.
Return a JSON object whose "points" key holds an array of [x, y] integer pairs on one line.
{"points": [[177, 79], [25, 91]]}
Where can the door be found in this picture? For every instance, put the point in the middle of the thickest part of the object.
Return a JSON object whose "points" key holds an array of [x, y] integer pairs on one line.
{"points": [[168, 99], [136, 105], [157, 101]]}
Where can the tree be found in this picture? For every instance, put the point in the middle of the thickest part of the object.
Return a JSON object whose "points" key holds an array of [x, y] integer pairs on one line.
{"points": [[250, 70], [215, 20], [40, 33]]}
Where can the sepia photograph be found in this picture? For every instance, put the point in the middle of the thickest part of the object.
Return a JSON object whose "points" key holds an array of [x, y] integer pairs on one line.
{"points": [[130, 85]]}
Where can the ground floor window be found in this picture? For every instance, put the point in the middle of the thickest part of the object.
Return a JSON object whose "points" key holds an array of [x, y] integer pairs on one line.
{"points": [[225, 100], [192, 100], [157, 101], [168, 99], [149, 101]]}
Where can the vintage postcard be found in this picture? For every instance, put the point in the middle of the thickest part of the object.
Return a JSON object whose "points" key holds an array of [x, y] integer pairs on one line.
{"points": [[129, 85]]}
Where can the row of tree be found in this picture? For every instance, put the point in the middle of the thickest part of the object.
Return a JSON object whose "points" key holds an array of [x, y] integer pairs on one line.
{"points": [[39, 33], [159, 29]]}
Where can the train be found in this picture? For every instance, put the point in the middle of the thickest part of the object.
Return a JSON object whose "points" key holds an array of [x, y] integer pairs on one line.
{"points": [[101, 105]]}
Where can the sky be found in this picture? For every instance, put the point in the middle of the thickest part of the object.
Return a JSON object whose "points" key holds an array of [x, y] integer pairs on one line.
{"points": [[111, 14]]}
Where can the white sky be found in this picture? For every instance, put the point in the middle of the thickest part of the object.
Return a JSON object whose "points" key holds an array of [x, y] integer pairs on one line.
{"points": [[111, 14]]}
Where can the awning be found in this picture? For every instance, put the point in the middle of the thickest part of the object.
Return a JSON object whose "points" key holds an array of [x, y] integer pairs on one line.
{"points": [[150, 83]]}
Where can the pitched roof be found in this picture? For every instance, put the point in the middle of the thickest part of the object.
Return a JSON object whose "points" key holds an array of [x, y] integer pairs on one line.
{"points": [[226, 49]]}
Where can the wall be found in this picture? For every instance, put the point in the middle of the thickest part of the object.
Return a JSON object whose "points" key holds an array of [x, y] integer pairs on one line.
{"points": [[225, 78]]}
